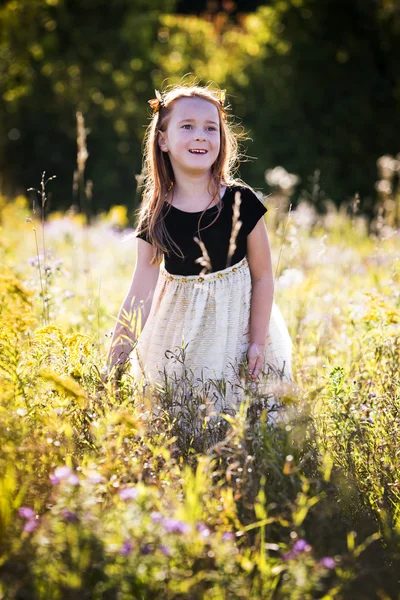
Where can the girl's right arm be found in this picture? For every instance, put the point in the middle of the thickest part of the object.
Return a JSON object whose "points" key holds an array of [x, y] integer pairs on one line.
{"points": [[135, 308]]}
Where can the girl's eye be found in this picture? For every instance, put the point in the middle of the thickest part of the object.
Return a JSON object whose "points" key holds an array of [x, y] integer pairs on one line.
{"points": [[210, 128]]}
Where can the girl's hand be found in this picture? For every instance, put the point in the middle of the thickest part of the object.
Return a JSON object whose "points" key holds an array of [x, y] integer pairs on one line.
{"points": [[255, 359]]}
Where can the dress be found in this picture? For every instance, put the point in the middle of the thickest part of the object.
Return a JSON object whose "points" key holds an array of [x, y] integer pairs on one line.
{"points": [[200, 322]]}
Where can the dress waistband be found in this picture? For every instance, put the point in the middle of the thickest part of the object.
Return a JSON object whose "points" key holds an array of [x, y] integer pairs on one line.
{"points": [[207, 276]]}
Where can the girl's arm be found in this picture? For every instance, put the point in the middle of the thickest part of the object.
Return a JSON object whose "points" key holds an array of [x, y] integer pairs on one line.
{"points": [[262, 282], [135, 308]]}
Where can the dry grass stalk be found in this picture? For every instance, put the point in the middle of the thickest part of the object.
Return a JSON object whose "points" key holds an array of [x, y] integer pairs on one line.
{"points": [[79, 186], [204, 260], [236, 225], [81, 142], [42, 194]]}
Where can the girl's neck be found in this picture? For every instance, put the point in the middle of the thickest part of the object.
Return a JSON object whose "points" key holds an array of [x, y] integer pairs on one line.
{"points": [[192, 194]]}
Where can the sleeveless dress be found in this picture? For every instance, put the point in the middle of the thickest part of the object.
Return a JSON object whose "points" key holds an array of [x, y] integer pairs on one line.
{"points": [[199, 321]]}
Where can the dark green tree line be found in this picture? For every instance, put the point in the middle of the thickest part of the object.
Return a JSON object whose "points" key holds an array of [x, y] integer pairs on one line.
{"points": [[61, 56], [316, 84]]}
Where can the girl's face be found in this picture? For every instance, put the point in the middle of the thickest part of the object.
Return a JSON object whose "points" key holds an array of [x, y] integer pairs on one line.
{"points": [[192, 136]]}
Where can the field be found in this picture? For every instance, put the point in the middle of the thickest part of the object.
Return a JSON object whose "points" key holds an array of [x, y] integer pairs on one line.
{"points": [[101, 497]]}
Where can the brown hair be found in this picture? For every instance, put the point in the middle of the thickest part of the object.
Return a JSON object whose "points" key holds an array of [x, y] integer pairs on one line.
{"points": [[157, 177]]}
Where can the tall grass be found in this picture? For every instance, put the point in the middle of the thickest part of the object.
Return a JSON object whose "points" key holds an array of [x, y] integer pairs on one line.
{"points": [[131, 492]]}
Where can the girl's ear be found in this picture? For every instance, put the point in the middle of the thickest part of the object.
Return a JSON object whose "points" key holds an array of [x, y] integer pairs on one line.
{"points": [[162, 142]]}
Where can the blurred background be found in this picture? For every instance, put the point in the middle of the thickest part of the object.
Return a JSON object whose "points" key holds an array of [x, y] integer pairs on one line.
{"points": [[315, 84]]}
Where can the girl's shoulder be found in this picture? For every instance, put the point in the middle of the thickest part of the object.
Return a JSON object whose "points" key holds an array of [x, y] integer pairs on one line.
{"points": [[248, 193], [252, 205]]}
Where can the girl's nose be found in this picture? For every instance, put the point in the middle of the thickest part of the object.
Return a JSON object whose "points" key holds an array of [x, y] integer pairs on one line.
{"points": [[200, 138]]}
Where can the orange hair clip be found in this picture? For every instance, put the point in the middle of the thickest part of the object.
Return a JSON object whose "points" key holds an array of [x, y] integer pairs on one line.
{"points": [[156, 102], [221, 97]]}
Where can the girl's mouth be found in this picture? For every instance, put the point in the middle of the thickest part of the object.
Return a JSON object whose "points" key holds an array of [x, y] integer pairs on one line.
{"points": [[198, 151]]}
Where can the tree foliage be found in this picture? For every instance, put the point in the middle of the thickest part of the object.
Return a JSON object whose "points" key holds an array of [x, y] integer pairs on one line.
{"points": [[63, 56], [316, 85]]}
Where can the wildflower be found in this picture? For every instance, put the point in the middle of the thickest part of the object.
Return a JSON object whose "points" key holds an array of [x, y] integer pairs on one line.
{"points": [[126, 548], [69, 515], [290, 277], [94, 477], [34, 260], [156, 517], [301, 546], [372, 395], [31, 521], [203, 529], [73, 479], [327, 562], [31, 525], [128, 493], [26, 513], [228, 536], [145, 549], [164, 549], [64, 473], [59, 474], [175, 526]]}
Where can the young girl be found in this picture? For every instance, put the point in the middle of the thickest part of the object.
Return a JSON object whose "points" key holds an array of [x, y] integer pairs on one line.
{"points": [[208, 307]]}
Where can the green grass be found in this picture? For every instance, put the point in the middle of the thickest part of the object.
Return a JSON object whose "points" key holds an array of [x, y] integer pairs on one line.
{"points": [[235, 507]]}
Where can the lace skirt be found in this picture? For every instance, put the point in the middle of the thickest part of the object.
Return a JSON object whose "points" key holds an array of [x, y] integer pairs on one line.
{"points": [[200, 324]]}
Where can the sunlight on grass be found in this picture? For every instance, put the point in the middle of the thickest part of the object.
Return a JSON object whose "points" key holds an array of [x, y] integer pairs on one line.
{"points": [[130, 492]]}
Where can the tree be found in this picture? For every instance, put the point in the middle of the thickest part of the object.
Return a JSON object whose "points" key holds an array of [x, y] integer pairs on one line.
{"points": [[62, 56]]}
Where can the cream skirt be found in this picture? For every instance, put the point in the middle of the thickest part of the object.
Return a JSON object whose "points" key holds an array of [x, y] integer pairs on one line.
{"points": [[201, 324]]}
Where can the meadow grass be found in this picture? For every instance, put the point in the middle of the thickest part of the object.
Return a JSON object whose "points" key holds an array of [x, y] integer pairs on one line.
{"points": [[124, 492]]}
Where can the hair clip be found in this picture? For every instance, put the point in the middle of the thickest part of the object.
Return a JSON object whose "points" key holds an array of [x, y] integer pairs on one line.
{"points": [[156, 102]]}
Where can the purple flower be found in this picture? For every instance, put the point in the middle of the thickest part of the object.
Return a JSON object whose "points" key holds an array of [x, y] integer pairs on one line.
{"points": [[156, 517], [31, 525], [300, 546], [364, 407], [69, 515], [33, 261], [146, 549], [73, 479], [228, 536], [129, 493], [327, 562], [26, 513], [164, 549], [175, 526], [126, 548], [203, 529], [64, 473], [95, 477], [372, 395]]}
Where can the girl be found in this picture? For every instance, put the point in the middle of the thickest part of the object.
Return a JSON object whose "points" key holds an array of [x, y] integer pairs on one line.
{"points": [[208, 307]]}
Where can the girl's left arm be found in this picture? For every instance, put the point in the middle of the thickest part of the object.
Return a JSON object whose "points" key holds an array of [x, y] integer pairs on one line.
{"points": [[262, 295]]}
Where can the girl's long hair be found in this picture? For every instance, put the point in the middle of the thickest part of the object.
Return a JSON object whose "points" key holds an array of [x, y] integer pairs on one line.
{"points": [[157, 177]]}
